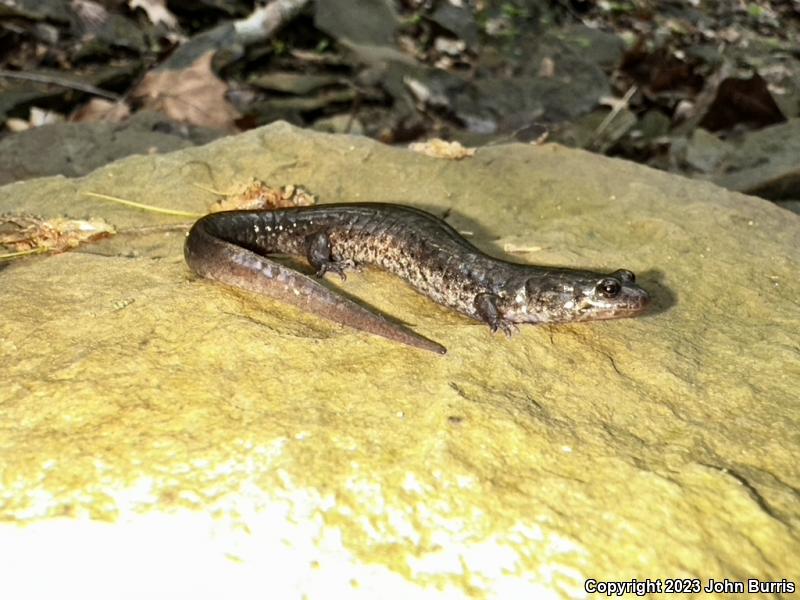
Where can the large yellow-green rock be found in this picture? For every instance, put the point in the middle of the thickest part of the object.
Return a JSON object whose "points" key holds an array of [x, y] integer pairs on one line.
{"points": [[159, 427]]}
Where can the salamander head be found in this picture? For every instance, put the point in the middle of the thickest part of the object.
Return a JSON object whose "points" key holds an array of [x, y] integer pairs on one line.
{"points": [[565, 295]]}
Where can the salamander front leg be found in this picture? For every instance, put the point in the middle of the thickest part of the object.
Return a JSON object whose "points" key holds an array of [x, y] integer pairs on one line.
{"points": [[486, 307], [318, 254]]}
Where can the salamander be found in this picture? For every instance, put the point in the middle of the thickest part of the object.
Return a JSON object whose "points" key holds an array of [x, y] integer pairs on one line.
{"points": [[233, 247]]}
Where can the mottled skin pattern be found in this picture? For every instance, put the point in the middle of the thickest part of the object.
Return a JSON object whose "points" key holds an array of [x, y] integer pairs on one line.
{"points": [[231, 247]]}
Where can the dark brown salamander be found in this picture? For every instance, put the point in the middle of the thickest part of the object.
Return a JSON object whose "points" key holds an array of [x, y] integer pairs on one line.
{"points": [[231, 247]]}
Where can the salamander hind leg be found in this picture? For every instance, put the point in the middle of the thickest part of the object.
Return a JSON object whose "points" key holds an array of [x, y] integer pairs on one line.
{"points": [[318, 254], [486, 307]]}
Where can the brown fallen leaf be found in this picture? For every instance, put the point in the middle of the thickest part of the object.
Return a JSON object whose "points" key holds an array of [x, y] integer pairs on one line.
{"points": [[742, 101], [438, 148], [192, 95], [257, 195], [98, 109], [29, 234]]}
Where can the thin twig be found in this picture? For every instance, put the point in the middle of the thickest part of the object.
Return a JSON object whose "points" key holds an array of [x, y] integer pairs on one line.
{"points": [[38, 250], [212, 190], [266, 20], [146, 230], [148, 207], [614, 112], [55, 80]]}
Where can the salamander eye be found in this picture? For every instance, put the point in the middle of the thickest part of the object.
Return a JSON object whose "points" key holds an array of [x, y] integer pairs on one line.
{"points": [[609, 287], [624, 275]]}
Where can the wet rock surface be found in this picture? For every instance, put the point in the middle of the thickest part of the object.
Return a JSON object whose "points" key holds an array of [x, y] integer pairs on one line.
{"points": [[81, 148]]}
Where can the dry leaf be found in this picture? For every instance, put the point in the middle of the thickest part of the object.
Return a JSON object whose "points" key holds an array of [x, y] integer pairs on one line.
{"points": [[37, 117], [25, 232], [739, 101], [449, 46], [98, 109], [441, 149], [156, 11], [257, 195], [91, 15], [547, 68], [193, 95], [15, 125]]}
